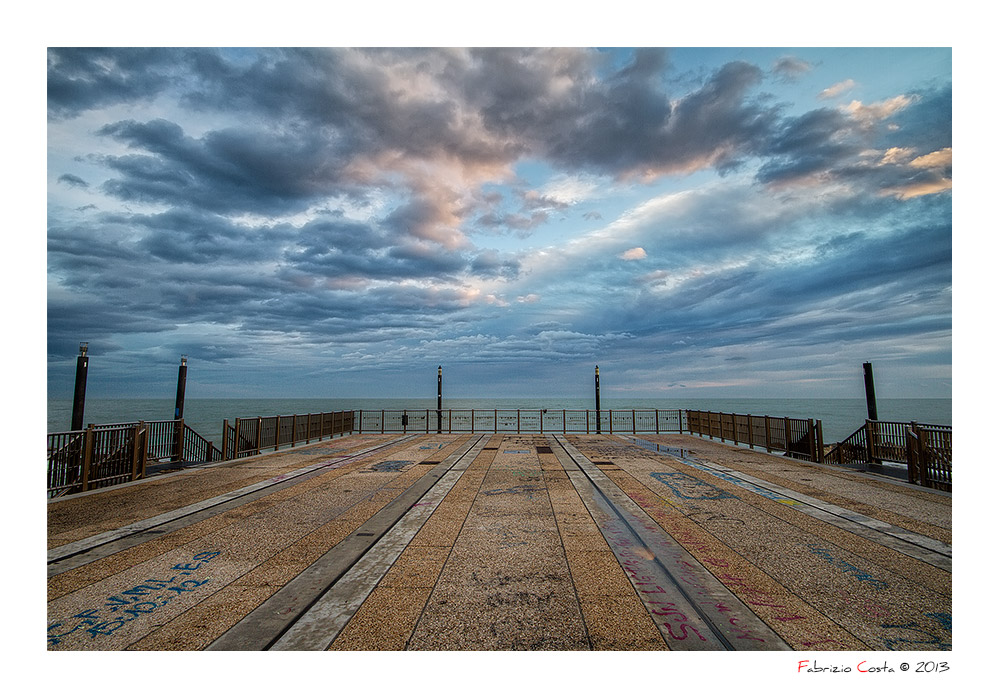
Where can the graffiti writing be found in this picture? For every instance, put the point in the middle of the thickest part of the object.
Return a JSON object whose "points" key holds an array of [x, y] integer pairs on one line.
{"points": [[691, 488], [746, 485], [134, 602], [912, 637], [386, 466], [853, 571]]}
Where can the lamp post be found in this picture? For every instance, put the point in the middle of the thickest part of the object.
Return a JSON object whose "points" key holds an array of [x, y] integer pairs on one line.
{"points": [[439, 400], [870, 391], [597, 395], [179, 409], [80, 390]]}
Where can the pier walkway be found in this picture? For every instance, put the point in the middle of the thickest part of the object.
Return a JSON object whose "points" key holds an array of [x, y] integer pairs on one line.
{"points": [[503, 542]]}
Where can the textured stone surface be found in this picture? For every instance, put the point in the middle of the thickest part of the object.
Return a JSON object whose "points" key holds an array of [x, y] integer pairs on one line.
{"points": [[511, 558]]}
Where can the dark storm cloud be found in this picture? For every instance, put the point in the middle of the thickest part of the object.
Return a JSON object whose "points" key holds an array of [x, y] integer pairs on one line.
{"points": [[926, 124], [327, 108], [544, 101], [625, 124], [73, 181], [334, 247], [80, 79], [200, 237], [307, 200], [857, 287], [855, 145], [805, 145], [227, 171], [359, 98], [96, 320]]}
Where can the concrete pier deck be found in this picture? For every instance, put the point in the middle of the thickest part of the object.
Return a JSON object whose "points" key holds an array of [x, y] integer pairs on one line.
{"points": [[503, 542]]}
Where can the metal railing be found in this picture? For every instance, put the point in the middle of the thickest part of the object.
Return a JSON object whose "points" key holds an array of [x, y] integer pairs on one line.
{"points": [[249, 436], [925, 449], [929, 456], [797, 437], [103, 455], [519, 420], [95, 457]]}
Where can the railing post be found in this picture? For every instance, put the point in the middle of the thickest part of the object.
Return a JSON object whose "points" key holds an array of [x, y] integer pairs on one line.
{"points": [[869, 442], [819, 441], [136, 447], [225, 438], [144, 452], [922, 457], [88, 451], [912, 459], [788, 436], [656, 414], [260, 429], [767, 433], [811, 427], [178, 440]]}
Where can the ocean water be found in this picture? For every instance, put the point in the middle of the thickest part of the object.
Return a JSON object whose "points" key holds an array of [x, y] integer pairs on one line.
{"points": [[840, 416]]}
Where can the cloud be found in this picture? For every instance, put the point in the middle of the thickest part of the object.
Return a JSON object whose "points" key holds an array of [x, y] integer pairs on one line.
{"points": [[869, 114], [937, 159], [82, 79], [790, 68], [633, 254], [360, 209], [835, 91], [227, 171], [73, 181]]}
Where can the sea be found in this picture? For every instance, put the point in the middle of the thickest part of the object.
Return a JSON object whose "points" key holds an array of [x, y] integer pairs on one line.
{"points": [[840, 416]]}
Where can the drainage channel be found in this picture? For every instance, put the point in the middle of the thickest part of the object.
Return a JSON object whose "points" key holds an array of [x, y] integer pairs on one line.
{"points": [[692, 609], [78, 553], [918, 546], [310, 611]]}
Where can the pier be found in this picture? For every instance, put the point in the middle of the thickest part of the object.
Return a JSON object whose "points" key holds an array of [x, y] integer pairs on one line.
{"points": [[503, 541]]}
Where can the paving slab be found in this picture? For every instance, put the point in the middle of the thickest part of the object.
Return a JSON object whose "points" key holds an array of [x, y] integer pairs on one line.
{"points": [[503, 542]]}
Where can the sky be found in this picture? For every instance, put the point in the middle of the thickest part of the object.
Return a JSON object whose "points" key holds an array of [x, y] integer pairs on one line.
{"points": [[700, 222]]}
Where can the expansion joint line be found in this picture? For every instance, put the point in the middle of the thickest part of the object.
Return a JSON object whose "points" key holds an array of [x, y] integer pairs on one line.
{"points": [[912, 544], [72, 555], [691, 587], [265, 627]]}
